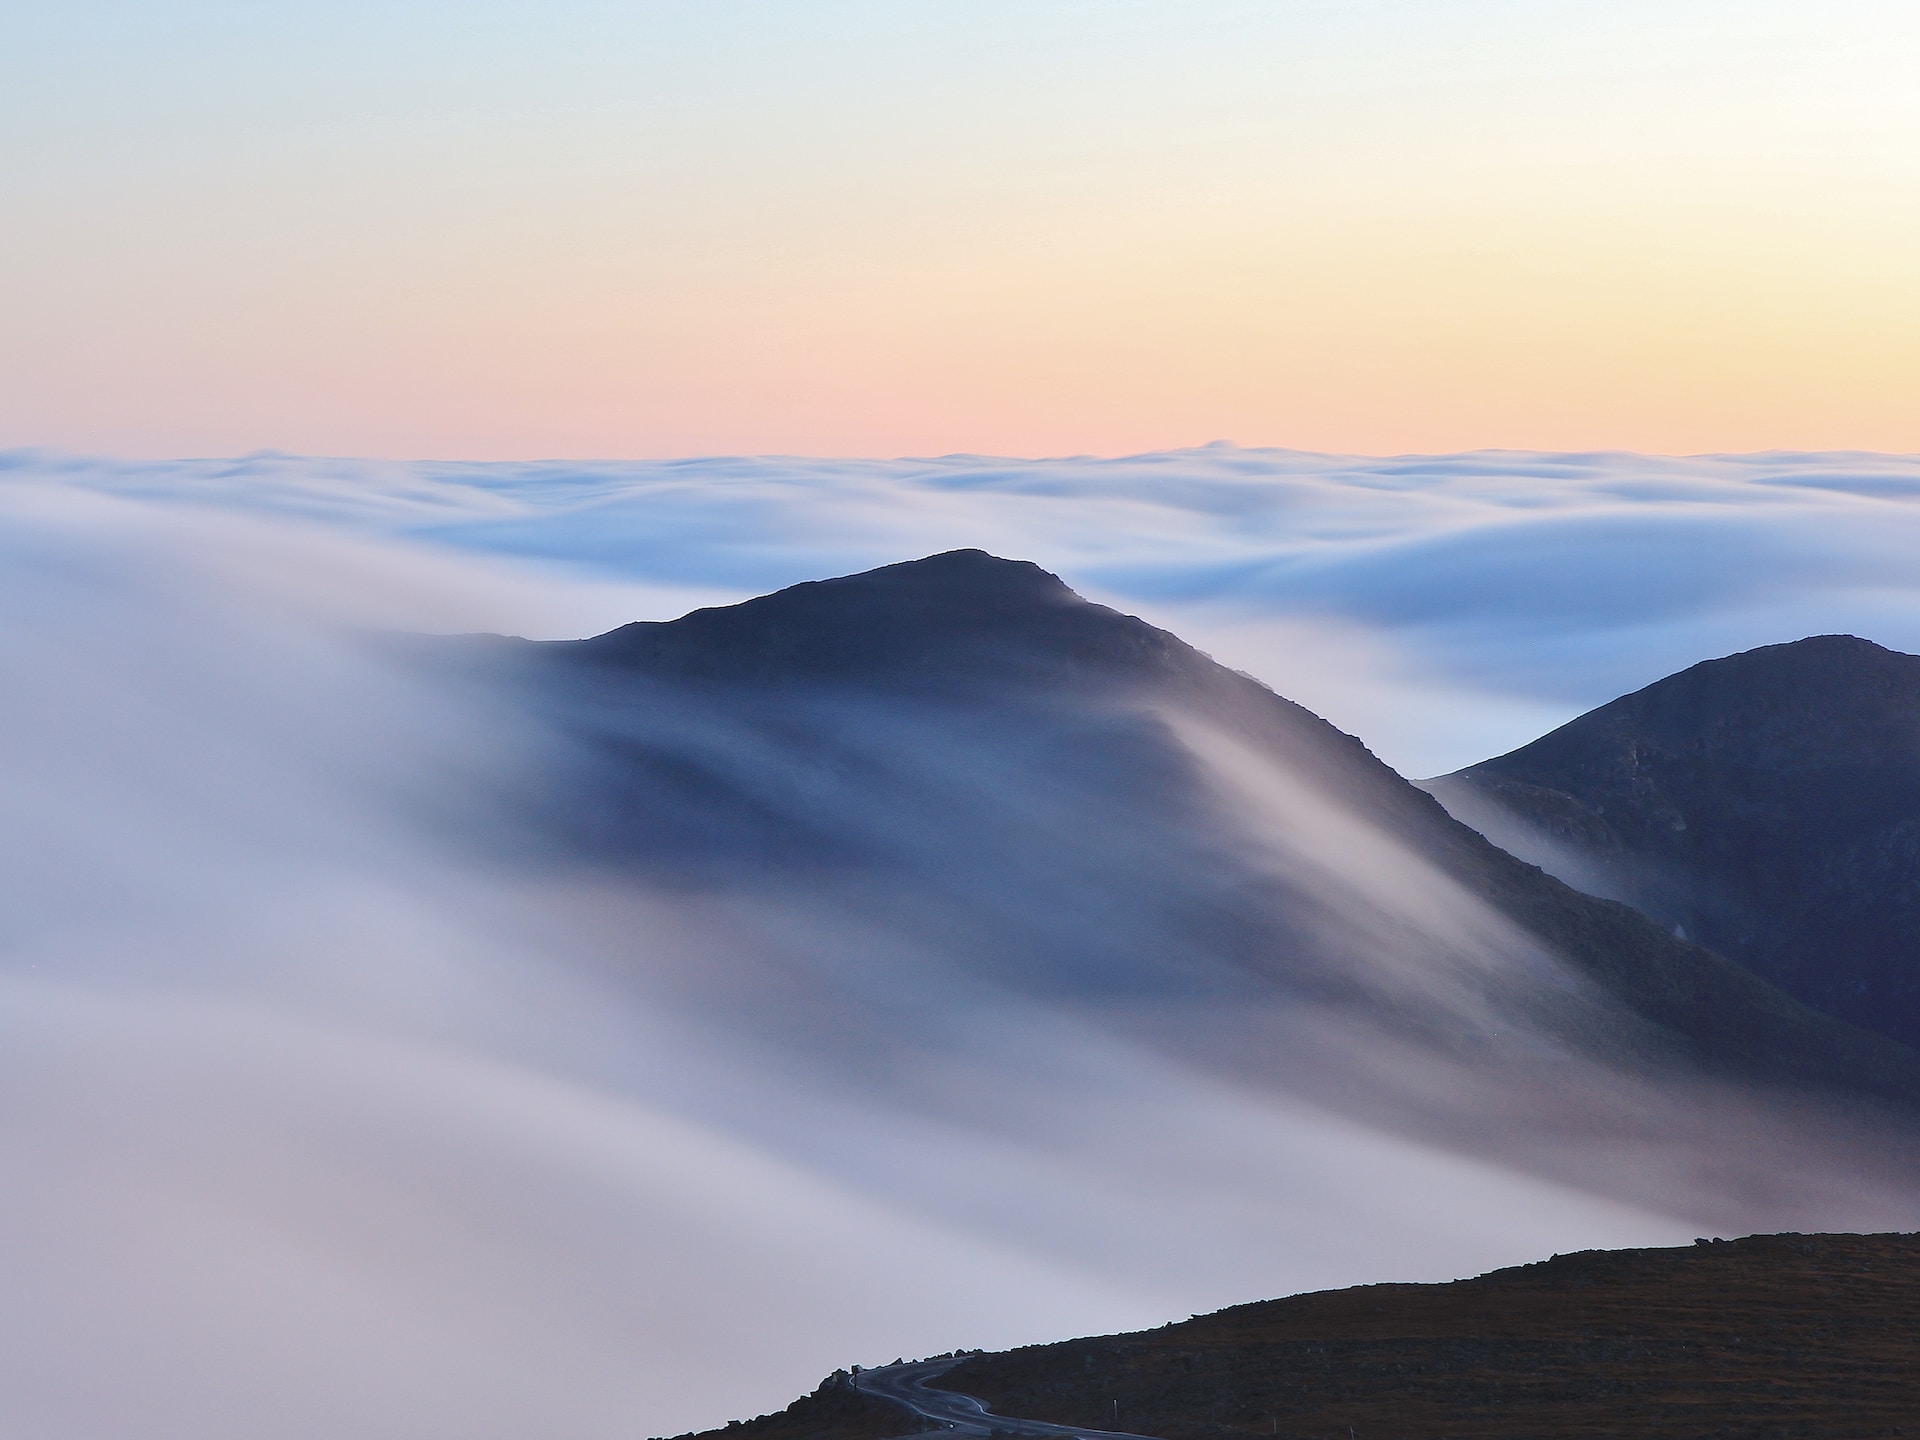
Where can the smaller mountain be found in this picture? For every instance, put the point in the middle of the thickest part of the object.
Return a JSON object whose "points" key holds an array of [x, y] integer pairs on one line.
{"points": [[1765, 805]]}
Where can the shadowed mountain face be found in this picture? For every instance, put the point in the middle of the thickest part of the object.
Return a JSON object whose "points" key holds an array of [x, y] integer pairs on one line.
{"points": [[945, 783], [1766, 805]]}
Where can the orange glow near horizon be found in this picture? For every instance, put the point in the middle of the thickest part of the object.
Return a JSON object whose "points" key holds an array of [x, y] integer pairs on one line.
{"points": [[1361, 232]]}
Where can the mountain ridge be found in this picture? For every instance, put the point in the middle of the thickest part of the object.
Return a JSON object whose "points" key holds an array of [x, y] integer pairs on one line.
{"points": [[969, 627], [914, 621]]}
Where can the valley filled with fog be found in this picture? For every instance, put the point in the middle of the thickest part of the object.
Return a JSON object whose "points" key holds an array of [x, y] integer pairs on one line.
{"points": [[356, 1087]]}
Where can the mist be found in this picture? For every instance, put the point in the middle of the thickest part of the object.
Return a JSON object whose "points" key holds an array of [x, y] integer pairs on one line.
{"points": [[362, 1078]]}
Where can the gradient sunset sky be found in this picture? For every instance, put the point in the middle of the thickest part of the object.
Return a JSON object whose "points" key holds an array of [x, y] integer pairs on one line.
{"points": [[844, 227]]}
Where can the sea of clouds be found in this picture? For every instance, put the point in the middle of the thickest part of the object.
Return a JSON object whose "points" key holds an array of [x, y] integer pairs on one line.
{"points": [[1444, 608], [316, 1125]]}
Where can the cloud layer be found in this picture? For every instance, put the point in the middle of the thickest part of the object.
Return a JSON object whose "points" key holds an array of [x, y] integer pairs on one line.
{"points": [[332, 1126], [1506, 590]]}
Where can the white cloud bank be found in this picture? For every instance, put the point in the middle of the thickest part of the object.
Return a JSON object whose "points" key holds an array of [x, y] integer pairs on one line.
{"points": [[1442, 607], [314, 1127]]}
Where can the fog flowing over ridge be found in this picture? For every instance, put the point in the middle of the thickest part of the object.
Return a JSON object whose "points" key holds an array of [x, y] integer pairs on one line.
{"points": [[360, 1087]]}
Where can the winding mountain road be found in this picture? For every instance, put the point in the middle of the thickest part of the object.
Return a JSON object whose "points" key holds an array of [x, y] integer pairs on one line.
{"points": [[906, 1385]]}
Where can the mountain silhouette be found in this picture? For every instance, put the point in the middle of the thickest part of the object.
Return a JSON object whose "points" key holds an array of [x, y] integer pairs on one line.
{"points": [[1006, 649], [924, 622], [1766, 805], [954, 778]]}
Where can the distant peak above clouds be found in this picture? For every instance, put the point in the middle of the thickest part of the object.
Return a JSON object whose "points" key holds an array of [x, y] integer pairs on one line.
{"points": [[957, 590], [948, 616]]}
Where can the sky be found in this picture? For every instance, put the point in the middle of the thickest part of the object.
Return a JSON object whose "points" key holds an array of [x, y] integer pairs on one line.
{"points": [[845, 227]]}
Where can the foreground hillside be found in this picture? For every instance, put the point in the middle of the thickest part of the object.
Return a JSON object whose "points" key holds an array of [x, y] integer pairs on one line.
{"points": [[835, 1411], [1771, 1336], [1766, 1338]]}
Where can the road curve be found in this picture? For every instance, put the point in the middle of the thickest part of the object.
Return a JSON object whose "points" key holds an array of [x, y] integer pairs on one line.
{"points": [[906, 1385]]}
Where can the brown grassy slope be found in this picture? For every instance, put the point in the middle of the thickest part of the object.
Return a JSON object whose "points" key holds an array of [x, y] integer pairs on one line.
{"points": [[836, 1411], [1771, 1336]]}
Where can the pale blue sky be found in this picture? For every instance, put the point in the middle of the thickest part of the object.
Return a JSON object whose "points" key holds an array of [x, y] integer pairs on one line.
{"points": [[670, 228]]}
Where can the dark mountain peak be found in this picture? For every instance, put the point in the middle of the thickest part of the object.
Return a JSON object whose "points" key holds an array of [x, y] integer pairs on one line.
{"points": [[957, 589], [1819, 645], [947, 618], [956, 575], [1845, 659], [1767, 804], [1815, 648], [1828, 700]]}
